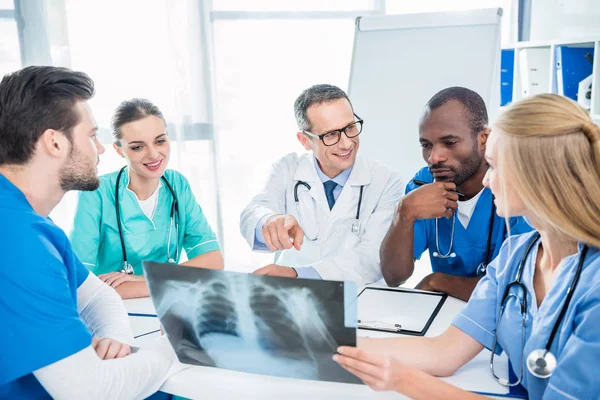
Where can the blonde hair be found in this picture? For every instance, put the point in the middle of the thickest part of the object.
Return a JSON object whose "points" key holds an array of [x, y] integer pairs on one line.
{"points": [[551, 153]]}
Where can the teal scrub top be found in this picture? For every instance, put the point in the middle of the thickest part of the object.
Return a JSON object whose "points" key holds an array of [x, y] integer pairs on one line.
{"points": [[95, 235]]}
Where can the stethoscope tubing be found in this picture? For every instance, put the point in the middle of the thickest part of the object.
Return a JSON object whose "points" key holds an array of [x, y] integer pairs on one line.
{"points": [[308, 187], [174, 212], [519, 284], [450, 254]]}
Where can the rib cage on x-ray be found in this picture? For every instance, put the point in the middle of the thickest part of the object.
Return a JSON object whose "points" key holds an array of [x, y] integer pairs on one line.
{"points": [[282, 322], [217, 312], [286, 322], [281, 329]]}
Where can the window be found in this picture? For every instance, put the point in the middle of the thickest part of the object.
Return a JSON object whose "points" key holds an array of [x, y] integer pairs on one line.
{"points": [[305, 5], [147, 57], [261, 67], [133, 58], [10, 52]]}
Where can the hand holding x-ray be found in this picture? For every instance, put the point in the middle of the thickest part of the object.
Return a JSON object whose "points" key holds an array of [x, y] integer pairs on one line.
{"points": [[379, 371]]}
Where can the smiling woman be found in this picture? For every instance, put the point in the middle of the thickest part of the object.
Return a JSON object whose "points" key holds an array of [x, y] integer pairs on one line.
{"points": [[144, 209]]}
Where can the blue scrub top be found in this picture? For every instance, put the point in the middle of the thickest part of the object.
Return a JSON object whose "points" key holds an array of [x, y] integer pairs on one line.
{"points": [[577, 343], [95, 235], [470, 244], [39, 277]]}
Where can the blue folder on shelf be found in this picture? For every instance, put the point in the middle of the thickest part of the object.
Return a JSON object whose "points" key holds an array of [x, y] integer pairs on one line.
{"points": [[507, 66], [572, 66]]}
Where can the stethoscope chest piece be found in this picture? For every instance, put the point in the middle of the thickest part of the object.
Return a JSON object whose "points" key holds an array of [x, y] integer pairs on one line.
{"points": [[438, 255], [482, 269], [541, 363], [127, 268]]}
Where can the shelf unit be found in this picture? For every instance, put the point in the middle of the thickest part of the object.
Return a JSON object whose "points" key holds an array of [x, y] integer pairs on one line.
{"points": [[538, 61]]}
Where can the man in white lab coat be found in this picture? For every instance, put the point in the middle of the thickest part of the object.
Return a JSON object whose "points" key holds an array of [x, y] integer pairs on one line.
{"points": [[328, 210]]}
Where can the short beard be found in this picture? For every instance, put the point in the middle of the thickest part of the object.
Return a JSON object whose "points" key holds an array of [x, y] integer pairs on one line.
{"points": [[77, 174], [470, 168]]}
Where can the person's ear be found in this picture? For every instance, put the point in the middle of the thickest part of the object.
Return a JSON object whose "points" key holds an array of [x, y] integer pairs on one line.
{"points": [[484, 135], [54, 142], [304, 140], [118, 150]]}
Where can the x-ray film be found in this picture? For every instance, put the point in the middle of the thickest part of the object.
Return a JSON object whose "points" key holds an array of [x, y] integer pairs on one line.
{"points": [[251, 323]]}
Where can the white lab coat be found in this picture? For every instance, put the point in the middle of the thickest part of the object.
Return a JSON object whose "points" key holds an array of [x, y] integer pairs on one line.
{"points": [[337, 254]]}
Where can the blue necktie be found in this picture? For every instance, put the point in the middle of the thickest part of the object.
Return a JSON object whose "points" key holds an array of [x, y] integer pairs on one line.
{"points": [[329, 186]]}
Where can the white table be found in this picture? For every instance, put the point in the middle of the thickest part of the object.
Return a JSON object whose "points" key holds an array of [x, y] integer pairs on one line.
{"points": [[214, 383]]}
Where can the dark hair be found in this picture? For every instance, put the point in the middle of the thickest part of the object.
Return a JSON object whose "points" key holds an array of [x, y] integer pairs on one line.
{"points": [[131, 111], [33, 100], [474, 104], [316, 94]]}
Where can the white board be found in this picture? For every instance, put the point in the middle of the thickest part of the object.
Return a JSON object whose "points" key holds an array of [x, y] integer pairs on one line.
{"points": [[400, 61]]}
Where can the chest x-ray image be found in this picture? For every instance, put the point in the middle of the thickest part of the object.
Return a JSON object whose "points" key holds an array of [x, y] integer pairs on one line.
{"points": [[251, 323]]}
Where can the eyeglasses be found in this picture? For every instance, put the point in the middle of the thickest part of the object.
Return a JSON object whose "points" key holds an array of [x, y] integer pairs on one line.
{"points": [[333, 137]]}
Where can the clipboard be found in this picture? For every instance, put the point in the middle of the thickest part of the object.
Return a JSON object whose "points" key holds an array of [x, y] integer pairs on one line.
{"points": [[413, 311]]}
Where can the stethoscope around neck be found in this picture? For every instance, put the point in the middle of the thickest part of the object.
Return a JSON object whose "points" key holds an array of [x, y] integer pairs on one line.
{"points": [[482, 267], [541, 363], [127, 268], [355, 229]]}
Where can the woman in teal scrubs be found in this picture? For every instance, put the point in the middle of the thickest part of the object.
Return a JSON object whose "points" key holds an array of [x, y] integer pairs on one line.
{"points": [[540, 299], [158, 212]]}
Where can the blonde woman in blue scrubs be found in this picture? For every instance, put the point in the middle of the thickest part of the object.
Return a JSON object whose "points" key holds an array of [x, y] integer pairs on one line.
{"points": [[158, 213], [540, 299]]}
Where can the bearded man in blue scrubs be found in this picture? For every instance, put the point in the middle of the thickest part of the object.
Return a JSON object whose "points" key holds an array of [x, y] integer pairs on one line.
{"points": [[446, 209], [61, 325]]}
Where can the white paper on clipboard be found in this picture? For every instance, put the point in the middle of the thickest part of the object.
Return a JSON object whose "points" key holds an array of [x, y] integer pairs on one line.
{"points": [[411, 309]]}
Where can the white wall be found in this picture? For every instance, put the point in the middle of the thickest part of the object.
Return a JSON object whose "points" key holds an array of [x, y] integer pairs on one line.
{"points": [[564, 19]]}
